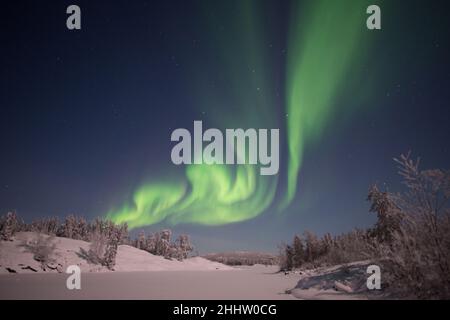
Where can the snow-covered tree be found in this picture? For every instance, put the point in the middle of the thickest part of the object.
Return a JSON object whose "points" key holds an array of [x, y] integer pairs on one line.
{"points": [[388, 213], [9, 226], [183, 247], [163, 243], [289, 257], [111, 249], [81, 231], [312, 249], [416, 257], [69, 228], [151, 243], [141, 241], [123, 234], [298, 252]]}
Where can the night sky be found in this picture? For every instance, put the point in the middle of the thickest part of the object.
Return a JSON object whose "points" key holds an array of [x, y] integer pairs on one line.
{"points": [[86, 115]]}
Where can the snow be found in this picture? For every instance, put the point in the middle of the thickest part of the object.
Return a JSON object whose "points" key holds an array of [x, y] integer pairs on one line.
{"points": [[132, 259], [345, 281], [141, 275], [14, 256]]}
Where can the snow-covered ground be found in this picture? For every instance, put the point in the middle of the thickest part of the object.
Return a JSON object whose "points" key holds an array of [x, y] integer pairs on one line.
{"points": [[258, 283], [15, 258], [141, 275], [347, 281]]}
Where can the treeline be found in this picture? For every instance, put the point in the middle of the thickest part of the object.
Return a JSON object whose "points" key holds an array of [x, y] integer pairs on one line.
{"points": [[310, 251], [72, 227], [410, 240], [239, 258], [104, 236], [160, 244]]}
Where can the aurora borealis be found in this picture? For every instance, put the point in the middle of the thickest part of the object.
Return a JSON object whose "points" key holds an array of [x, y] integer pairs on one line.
{"points": [[86, 115], [231, 197], [325, 42], [325, 38], [220, 194]]}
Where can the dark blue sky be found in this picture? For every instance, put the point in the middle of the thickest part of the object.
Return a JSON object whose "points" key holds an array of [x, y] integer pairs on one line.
{"points": [[86, 116]]}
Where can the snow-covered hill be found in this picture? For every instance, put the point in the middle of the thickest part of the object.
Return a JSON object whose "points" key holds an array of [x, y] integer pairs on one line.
{"points": [[16, 258]]}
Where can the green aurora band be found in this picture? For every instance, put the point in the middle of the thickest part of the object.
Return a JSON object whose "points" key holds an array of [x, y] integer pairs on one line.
{"points": [[219, 194], [212, 196], [324, 40]]}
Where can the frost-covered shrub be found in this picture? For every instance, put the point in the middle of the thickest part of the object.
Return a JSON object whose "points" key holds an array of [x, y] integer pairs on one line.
{"points": [[42, 247], [416, 260], [105, 240], [97, 248], [410, 240]]}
